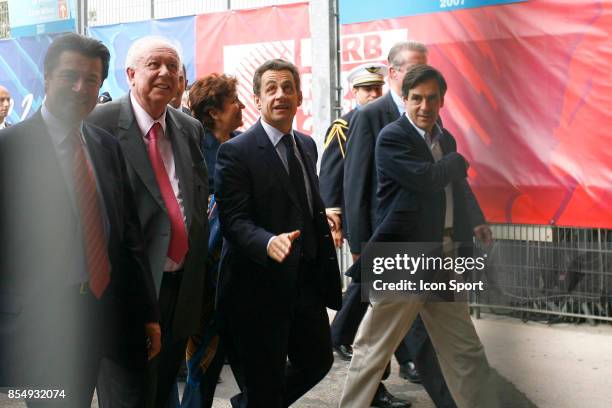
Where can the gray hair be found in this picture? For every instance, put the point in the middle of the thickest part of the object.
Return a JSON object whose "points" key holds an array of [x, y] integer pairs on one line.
{"points": [[395, 53], [139, 48]]}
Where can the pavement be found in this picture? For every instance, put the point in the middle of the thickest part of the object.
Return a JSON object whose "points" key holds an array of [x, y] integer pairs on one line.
{"points": [[534, 364]]}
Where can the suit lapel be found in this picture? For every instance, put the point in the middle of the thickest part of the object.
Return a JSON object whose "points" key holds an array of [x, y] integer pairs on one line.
{"points": [[418, 139], [391, 108], [274, 163], [182, 162], [96, 152], [136, 151]]}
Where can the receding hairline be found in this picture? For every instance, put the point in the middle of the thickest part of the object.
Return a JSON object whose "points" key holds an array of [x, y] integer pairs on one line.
{"points": [[399, 48], [139, 49], [4, 89]]}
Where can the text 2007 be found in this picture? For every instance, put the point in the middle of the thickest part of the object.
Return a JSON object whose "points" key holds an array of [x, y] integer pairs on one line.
{"points": [[451, 3]]}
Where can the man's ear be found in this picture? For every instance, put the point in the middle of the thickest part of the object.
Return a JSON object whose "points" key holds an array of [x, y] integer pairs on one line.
{"points": [[257, 101], [300, 98], [130, 75], [442, 101], [214, 113]]}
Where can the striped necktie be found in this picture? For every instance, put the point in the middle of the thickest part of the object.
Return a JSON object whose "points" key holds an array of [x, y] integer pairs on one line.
{"points": [[90, 212]]}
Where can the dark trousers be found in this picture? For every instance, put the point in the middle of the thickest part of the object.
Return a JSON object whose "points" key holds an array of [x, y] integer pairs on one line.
{"points": [[278, 351], [160, 374], [70, 352]]}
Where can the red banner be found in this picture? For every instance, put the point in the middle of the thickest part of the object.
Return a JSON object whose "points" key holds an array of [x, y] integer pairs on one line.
{"points": [[237, 42], [530, 91]]}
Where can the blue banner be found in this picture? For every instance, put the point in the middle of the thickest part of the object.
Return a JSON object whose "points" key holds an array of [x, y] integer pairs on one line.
{"points": [[119, 37], [354, 11], [36, 17], [21, 72]]}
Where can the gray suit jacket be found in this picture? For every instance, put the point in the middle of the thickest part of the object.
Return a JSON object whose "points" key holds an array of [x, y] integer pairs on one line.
{"points": [[117, 118]]}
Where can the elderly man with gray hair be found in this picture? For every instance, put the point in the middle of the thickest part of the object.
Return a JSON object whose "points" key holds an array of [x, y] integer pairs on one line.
{"points": [[169, 177]]}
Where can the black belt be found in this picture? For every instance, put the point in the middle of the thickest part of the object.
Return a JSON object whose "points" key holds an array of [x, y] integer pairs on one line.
{"points": [[174, 274]]}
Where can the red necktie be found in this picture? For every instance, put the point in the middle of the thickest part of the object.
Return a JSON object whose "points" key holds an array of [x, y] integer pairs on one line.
{"points": [[88, 201], [178, 235]]}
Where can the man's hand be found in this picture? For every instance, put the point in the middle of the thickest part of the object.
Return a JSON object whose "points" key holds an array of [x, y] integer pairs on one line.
{"points": [[153, 333], [335, 225], [338, 238], [280, 246], [483, 234]]}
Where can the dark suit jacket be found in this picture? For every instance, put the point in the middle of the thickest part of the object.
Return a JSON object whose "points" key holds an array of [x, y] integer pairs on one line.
{"points": [[331, 174], [39, 238], [210, 147], [359, 172], [117, 118], [411, 197], [256, 201], [411, 184]]}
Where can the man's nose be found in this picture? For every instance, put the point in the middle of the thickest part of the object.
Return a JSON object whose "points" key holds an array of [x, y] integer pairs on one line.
{"points": [[78, 85], [163, 70]]}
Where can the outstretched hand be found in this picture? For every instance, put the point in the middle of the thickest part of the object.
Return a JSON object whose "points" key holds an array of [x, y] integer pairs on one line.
{"points": [[280, 246]]}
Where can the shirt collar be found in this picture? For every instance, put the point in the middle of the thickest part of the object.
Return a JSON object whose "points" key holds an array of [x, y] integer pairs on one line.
{"points": [[56, 128], [399, 101], [273, 133], [145, 121], [436, 131]]}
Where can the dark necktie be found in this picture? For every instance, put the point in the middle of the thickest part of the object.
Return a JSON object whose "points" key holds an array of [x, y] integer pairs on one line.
{"points": [[178, 235], [88, 201], [296, 175]]}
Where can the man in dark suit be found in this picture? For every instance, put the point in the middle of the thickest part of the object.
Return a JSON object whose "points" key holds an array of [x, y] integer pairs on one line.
{"points": [[360, 185], [366, 82], [5, 104], [424, 197], [75, 283], [279, 267], [169, 177]]}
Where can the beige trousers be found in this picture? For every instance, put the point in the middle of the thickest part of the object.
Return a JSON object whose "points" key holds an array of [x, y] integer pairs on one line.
{"points": [[460, 352]]}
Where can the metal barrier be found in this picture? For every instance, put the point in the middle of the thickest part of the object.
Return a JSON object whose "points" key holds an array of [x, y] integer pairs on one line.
{"points": [[102, 12], [544, 272], [541, 272], [5, 27]]}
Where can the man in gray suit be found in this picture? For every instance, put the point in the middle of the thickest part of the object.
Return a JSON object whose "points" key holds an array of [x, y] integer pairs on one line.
{"points": [[170, 181]]}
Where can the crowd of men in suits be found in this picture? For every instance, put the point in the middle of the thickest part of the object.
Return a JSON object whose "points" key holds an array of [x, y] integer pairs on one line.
{"points": [[105, 232]]}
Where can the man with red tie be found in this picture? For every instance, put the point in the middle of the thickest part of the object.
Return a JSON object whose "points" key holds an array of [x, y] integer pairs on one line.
{"points": [[75, 284], [169, 177]]}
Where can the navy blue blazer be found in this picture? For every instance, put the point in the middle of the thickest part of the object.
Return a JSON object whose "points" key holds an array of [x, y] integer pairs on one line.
{"points": [[360, 182], [411, 197], [210, 146], [331, 175], [256, 202], [411, 181]]}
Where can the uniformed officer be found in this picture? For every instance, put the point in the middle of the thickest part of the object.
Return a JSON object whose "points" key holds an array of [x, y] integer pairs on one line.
{"points": [[366, 81]]}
